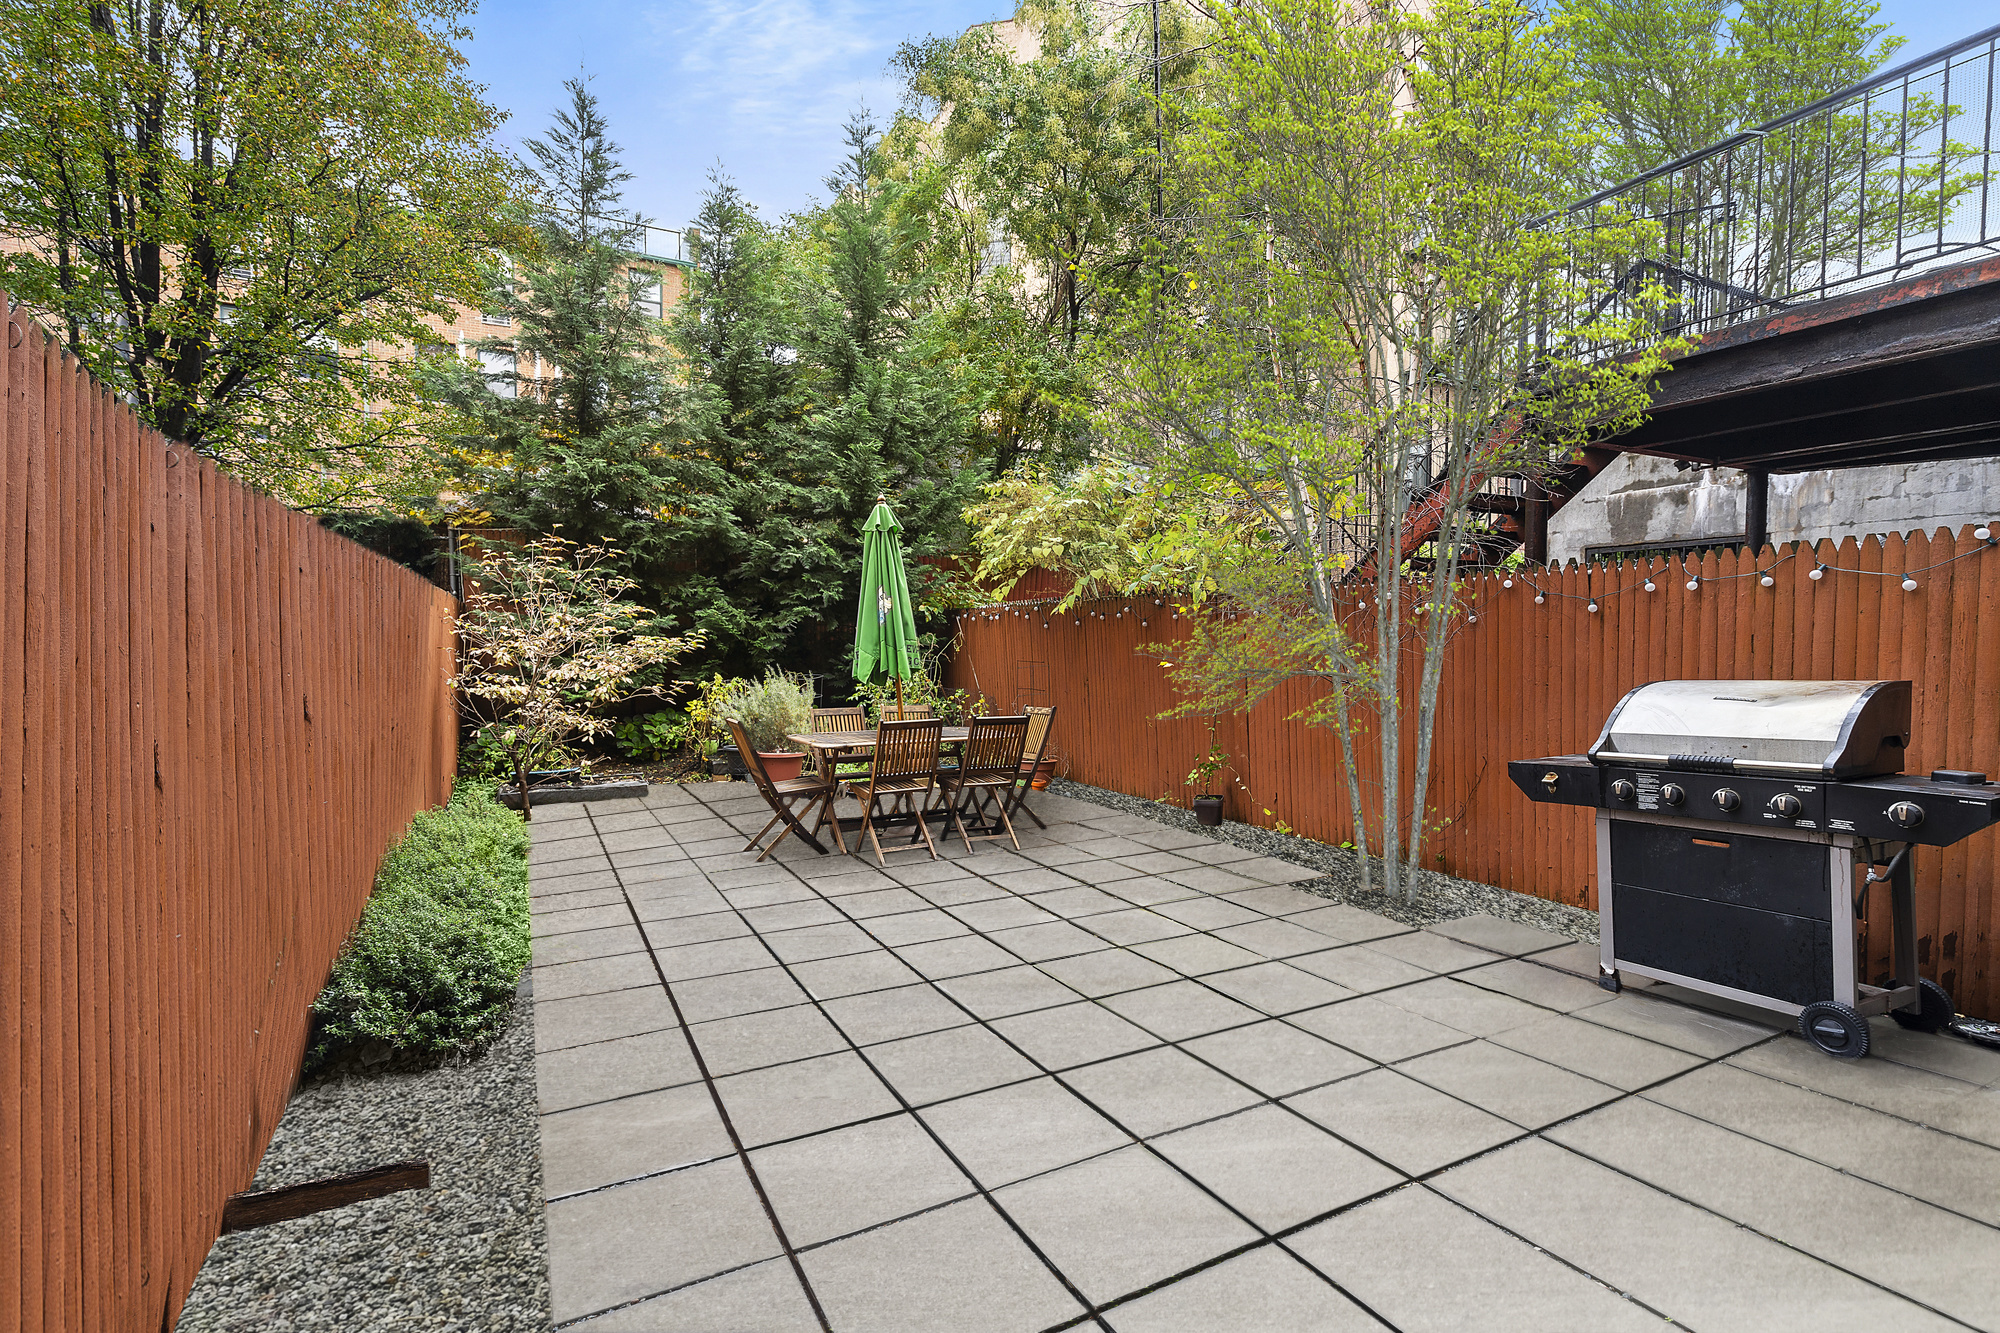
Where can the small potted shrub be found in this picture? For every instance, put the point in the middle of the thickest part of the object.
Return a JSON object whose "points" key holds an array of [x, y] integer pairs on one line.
{"points": [[1208, 804], [772, 709]]}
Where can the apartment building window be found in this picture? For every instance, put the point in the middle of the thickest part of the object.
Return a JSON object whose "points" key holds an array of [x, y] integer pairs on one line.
{"points": [[646, 292], [506, 285], [998, 252], [499, 368]]}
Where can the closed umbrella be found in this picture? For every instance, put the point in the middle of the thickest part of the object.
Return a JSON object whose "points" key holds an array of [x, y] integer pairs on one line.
{"points": [[885, 629]]}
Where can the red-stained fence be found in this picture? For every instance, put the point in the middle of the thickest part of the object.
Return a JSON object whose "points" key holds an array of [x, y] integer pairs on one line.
{"points": [[1526, 679], [214, 717]]}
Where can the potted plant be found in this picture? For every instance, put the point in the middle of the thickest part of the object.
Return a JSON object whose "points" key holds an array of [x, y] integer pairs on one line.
{"points": [[1208, 804], [771, 710]]}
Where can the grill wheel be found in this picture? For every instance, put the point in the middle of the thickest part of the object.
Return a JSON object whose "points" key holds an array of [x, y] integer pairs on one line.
{"points": [[1835, 1029], [1934, 1013]]}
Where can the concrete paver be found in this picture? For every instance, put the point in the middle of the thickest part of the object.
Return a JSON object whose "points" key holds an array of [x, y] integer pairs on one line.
{"points": [[1127, 1077]]}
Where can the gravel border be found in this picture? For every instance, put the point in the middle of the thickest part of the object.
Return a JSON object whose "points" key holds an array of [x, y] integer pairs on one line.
{"points": [[471, 1252], [1440, 897]]}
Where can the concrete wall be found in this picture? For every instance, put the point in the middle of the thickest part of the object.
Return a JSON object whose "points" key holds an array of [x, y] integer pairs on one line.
{"points": [[1640, 500]]}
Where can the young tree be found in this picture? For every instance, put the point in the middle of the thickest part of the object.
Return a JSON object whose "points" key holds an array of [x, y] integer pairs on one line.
{"points": [[550, 638], [1367, 317], [231, 208]]}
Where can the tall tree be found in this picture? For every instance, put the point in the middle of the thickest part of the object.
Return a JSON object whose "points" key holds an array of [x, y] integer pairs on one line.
{"points": [[1038, 148], [565, 424], [1674, 76], [233, 210], [1366, 315]]}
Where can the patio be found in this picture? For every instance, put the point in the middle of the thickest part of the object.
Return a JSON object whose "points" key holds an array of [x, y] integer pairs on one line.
{"points": [[1126, 1079]]}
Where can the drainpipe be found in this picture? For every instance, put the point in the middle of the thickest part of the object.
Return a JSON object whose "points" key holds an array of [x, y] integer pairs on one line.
{"points": [[1756, 498]]}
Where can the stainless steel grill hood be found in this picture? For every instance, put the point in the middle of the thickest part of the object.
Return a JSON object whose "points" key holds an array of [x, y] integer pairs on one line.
{"points": [[1831, 729]]}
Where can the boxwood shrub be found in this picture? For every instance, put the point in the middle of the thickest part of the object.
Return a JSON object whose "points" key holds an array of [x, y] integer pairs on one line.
{"points": [[431, 968]]}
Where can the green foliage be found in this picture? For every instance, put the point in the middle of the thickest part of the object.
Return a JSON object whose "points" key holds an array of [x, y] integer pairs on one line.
{"points": [[772, 708], [1033, 155], [228, 208], [582, 447], [816, 384], [1361, 306], [550, 641], [432, 966], [1675, 76], [651, 737], [953, 707]]}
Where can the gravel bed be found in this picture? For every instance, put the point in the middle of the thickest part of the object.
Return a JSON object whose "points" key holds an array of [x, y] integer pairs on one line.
{"points": [[471, 1252], [1440, 897]]}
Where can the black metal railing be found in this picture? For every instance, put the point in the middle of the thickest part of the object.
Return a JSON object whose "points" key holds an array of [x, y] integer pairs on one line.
{"points": [[1876, 182]]}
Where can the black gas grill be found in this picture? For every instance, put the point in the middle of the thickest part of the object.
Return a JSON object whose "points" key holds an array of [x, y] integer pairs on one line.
{"points": [[1740, 826]]}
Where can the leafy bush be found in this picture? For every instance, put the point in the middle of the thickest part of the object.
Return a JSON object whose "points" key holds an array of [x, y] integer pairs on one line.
{"points": [[432, 966], [774, 708], [651, 737]]}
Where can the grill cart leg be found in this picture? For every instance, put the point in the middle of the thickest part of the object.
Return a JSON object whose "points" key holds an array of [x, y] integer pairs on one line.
{"points": [[1607, 977], [1607, 958], [1932, 1010]]}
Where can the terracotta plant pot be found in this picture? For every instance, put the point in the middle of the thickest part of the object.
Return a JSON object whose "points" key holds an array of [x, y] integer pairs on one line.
{"points": [[1043, 772], [1208, 811], [781, 764]]}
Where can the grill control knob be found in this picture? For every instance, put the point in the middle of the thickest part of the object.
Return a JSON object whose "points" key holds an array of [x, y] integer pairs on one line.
{"points": [[1906, 814], [1673, 794], [1727, 799], [1786, 806], [1623, 790]]}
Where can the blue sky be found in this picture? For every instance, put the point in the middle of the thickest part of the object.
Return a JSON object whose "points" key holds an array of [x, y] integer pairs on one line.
{"points": [[764, 86]]}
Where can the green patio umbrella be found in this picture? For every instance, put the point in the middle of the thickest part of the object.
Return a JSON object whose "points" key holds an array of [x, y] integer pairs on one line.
{"points": [[885, 630]]}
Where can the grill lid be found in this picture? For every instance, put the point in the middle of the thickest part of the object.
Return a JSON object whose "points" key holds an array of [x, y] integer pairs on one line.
{"points": [[1831, 729]]}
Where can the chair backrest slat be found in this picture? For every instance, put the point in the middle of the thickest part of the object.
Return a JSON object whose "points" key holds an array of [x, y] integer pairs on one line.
{"points": [[907, 713], [907, 749], [993, 747], [839, 719], [1041, 722]]}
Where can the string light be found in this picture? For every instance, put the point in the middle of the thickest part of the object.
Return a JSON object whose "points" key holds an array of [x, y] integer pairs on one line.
{"points": [[1649, 585], [1539, 599], [1592, 608], [1909, 585], [1818, 573], [1694, 584], [1983, 533], [1506, 583], [1766, 580]]}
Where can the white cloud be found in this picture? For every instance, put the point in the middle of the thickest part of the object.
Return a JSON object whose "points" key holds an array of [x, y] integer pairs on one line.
{"points": [[783, 68]]}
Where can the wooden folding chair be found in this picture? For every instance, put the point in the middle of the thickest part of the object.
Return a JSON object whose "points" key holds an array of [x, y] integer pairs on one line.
{"points": [[838, 719], [904, 768], [989, 769], [907, 713], [780, 794], [1041, 725]]}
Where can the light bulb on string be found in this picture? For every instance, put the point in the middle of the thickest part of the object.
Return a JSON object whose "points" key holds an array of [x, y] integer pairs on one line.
{"points": [[1909, 585], [1539, 599], [1818, 573], [1982, 533], [1694, 585], [1649, 586], [1506, 583], [1592, 608], [1766, 579]]}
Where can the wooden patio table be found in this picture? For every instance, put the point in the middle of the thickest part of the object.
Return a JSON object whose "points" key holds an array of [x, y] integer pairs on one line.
{"points": [[830, 746]]}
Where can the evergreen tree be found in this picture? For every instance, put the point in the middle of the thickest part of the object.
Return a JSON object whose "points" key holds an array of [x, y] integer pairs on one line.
{"points": [[574, 436]]}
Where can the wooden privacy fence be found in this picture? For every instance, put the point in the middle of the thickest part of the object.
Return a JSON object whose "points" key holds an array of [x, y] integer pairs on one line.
{"points": [[214, 717], [1526, 678]]}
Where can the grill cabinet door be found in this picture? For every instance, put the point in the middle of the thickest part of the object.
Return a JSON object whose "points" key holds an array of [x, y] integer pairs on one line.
{"points": [[1724, 907]]}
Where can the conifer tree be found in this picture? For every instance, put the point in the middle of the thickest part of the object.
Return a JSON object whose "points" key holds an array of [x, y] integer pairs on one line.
{"points": [[566, 425]]}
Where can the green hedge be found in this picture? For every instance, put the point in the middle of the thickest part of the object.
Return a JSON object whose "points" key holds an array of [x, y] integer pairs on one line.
{"points": [[432, 966]]}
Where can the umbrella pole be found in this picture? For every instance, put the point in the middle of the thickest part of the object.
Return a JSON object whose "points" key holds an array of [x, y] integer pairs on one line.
{"points": [[899, 696]]}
